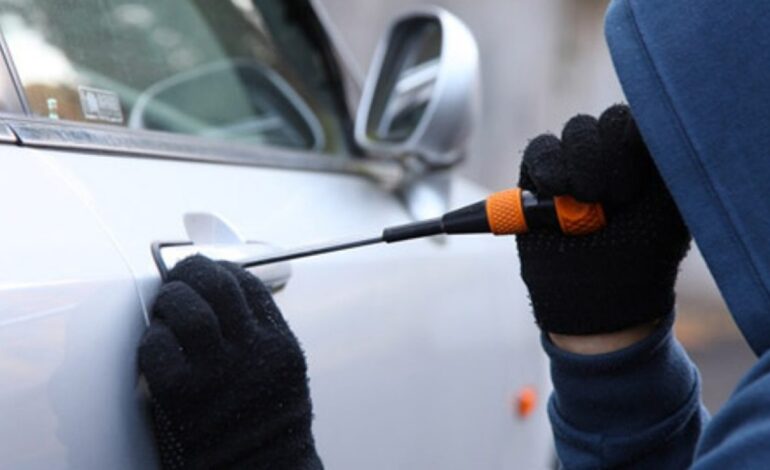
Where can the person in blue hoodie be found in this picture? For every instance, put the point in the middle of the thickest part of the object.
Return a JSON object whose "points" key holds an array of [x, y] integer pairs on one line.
{"points": [[695, 74], [688, 157]]}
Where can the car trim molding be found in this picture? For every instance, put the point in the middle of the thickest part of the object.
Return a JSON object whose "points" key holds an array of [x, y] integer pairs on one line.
{"points": [[7, 136], [107, 140]]}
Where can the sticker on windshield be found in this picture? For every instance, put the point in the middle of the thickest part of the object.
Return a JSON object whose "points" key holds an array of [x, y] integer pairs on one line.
{"points": [[100, 105]]}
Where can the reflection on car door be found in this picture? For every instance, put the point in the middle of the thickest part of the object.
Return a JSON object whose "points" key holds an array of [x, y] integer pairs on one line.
{"points": [[70, 317]]}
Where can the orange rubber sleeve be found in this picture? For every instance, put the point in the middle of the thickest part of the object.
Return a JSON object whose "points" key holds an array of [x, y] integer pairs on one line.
{"points": [[505, 212], [506, 216], [578, 218]]}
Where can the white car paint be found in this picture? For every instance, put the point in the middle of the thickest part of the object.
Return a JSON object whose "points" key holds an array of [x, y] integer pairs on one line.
{"points": [[414, 350], [69, 320]]}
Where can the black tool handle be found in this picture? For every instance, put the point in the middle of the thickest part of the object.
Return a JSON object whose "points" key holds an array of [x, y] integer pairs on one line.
{"points": [[425, 228]]}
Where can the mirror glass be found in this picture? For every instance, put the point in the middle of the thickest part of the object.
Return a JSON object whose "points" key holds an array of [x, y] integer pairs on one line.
{"points": [[407, 82]]}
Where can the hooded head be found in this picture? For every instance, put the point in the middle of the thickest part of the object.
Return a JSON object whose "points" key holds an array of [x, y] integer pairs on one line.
{"points": [[696, 74]]}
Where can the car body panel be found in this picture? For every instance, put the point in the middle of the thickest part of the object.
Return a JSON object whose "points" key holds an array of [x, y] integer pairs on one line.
{"points": [[416, 351], [69, 320]]}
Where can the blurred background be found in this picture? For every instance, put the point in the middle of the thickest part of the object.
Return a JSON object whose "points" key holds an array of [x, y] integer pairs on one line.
{"points": [[544, 61]]}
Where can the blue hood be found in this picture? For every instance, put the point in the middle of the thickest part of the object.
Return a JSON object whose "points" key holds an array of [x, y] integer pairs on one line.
{"points": [[696, 74]]}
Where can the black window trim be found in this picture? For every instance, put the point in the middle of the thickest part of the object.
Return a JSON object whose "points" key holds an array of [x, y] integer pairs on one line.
{"points": [[18, 127], [341, 56]]}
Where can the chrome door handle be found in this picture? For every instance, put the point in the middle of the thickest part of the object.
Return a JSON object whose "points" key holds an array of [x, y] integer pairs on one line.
{"points": [[274, 276]]}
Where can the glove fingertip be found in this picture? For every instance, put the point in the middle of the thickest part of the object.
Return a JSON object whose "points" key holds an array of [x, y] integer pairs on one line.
{"points": [[587, 168], [525, 181], [160, 356], [191, 269], [244, 277], [581, 130], [624, 147], [172, 293], [617, 113], [545, 166], [259, 298]]}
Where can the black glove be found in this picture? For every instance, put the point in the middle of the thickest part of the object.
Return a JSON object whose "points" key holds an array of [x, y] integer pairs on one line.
{"points": [[623, 275], [228, 378]]}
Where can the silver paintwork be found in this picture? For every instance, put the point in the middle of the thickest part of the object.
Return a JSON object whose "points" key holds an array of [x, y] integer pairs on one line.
{"points": [[427, 196], [413, 86], [204, 228], [445, 128], [414, 350]]}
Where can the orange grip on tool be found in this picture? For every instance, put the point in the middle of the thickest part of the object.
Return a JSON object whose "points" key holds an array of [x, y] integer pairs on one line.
{"points": [[506, 214], [578, 218]]}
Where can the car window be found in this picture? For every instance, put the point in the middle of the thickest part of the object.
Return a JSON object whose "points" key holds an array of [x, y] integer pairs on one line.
{"points": [[246, 70]]}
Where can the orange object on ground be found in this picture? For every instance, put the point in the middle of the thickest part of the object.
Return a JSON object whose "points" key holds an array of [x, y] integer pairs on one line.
{"points": [[526, 402]]}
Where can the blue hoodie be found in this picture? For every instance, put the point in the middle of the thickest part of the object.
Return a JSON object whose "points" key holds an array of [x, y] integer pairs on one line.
{"points": [[696, 74]]}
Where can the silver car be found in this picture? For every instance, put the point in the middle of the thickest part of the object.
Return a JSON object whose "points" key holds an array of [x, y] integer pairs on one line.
{"points": [[136, 132]]}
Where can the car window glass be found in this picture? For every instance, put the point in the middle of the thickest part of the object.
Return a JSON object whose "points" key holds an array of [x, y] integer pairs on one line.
{"points": [[245, 70]]}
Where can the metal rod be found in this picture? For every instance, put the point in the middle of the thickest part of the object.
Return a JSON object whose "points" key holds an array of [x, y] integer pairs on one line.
{"points": [[311, 251]]}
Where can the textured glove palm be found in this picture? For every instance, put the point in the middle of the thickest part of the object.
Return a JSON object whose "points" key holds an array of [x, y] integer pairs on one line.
{"points": [[623, 275], [227, 376]]}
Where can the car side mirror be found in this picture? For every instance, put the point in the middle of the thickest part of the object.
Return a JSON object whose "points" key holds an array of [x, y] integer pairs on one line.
{"points": [[421, 96]]}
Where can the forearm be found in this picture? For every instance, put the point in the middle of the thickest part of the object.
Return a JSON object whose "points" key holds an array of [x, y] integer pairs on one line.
{"points": [[635, 407]]}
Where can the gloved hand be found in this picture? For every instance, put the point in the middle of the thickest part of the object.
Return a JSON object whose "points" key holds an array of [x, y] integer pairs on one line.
{"points": [[624, 275], [227, 376]]}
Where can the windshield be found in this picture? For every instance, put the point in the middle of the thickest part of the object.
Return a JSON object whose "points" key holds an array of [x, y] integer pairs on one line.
{"points": [[246, 70]]}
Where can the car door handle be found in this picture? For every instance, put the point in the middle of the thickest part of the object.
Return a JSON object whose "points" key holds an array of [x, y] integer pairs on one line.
{"points": [[274, 276]]}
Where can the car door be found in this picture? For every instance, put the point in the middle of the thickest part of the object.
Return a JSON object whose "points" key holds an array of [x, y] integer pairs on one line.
{"points": [[224, 124], [70, 317]]}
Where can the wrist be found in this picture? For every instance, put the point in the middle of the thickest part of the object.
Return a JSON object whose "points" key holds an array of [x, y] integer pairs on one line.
{"points": [[603, 343], [647, 389]]}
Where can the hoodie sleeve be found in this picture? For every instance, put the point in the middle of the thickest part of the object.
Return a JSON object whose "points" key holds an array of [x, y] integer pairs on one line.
{"points": [[638, 407], [737, 437]]}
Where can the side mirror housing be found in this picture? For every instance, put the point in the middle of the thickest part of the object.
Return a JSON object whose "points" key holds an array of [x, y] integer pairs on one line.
{"points": [[421, 96]]}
